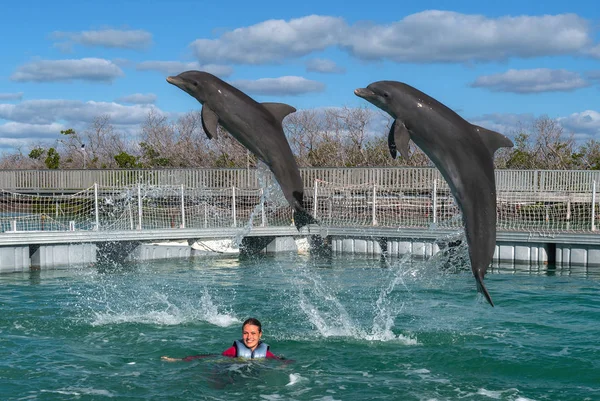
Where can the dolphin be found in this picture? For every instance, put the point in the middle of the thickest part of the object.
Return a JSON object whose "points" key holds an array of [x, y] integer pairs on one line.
{"points": [[462, 152], [255, 125]]}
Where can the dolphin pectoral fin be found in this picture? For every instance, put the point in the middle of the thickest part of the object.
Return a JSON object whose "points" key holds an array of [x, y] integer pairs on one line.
{"points": [[279, 110], [481, 287], [492, 139], [210, 120], [398, 139]]}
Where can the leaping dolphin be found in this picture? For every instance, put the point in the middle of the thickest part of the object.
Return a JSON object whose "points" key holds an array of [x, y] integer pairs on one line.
{"points": [[463, 152], [255, 125]]}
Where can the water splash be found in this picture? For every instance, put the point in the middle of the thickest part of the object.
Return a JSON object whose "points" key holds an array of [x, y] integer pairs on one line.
{"points": [[139, 298], [328, 313], [271, 198]]}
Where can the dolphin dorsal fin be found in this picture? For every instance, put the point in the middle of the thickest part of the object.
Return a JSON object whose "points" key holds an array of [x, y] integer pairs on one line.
{"points": [[493, 140], [210, 120], [398, 139], [279, 110]]}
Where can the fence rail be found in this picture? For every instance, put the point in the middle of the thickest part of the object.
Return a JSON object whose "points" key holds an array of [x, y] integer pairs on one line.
{"points": [[528, 201], [389, 177]]}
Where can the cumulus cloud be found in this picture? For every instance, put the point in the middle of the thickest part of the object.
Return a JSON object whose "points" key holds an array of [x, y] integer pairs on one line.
{"points": [[176, 67], [532, 81], [271, 40], [48, 111], [86, 69], [324, 66], [138, 98], [11, 96], [14, 135], [42, 120], [445, 36], [585, 123], [428, 36], [504, 123], [32, 131], [108, 38], [282, 86]]}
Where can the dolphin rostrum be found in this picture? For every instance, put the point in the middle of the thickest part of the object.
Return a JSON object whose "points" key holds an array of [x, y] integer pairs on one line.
{"points": [[255, 125], [463, 152]]}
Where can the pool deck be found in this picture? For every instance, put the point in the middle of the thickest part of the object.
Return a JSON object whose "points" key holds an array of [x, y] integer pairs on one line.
{"points": [[46, 249]]}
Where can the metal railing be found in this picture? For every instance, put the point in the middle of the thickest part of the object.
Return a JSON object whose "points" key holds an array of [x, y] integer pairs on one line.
{"points": [[384, 177], [407, 198]]}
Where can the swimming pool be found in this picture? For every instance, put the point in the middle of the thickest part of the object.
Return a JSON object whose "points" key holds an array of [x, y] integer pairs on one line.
{"points": [[356, 329]]}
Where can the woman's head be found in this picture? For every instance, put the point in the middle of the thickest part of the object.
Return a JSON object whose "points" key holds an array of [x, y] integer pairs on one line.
{"points": [[251, 333]]}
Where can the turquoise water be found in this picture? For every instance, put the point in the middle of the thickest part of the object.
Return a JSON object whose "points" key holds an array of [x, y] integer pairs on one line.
{"points": [[350, 328]]}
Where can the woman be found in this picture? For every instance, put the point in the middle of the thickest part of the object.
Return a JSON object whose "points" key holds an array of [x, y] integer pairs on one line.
{"points": [[250, 346]]}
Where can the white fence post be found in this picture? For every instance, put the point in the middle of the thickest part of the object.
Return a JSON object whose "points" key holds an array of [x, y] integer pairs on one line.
{"points": [[233, 206], [96, 204], [205, 215], [139, 227], [373, 210], [315, 198], [594, 206], [182, 207], [434, 201], [262, 208], [131, 226]]}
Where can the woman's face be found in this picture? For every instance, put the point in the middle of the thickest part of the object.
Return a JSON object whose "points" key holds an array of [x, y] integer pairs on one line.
{"points": [[251, 335]]}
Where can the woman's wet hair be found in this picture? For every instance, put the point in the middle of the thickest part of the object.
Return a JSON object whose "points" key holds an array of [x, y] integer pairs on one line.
{"points": [[254, 322]]}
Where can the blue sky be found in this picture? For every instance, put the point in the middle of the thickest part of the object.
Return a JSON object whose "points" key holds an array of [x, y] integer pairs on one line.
{"points": [[65, 62]]}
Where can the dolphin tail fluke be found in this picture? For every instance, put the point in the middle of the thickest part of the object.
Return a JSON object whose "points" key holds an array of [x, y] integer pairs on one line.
{"points": [[481, 288], [302, 218]]}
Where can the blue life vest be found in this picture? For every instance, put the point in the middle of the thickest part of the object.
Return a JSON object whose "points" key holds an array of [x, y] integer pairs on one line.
{"points": [[241, 351]]}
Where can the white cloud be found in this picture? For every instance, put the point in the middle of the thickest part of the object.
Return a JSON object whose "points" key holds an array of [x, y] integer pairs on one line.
{"points": [[177, 67], [14, 134], [532, 81], [18, 130], [282, 86], [324, 66], [42, 120], [86, 69], [109, 38], [72, 111], [11, 96], [271, 40], [428, 36], [504, 123], [445, 36], [138, 98], [585, 123]]}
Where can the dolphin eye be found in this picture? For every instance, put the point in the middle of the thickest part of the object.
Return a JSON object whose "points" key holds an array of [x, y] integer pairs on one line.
{"points": [[195, 83], [385, 94]]}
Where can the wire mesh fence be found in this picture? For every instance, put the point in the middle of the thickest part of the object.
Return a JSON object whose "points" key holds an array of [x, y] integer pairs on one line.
{"points": [[343, 203]]}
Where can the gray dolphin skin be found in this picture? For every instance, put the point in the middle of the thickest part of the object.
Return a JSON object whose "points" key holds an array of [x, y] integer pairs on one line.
{"points": [[463, 152], [255, 125]]}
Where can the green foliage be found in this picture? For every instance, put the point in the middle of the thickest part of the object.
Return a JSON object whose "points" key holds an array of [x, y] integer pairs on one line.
{"points": [[36, 153], [152, 156], [52, 159], [69, 132], [224, 161], [125, 160]]}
